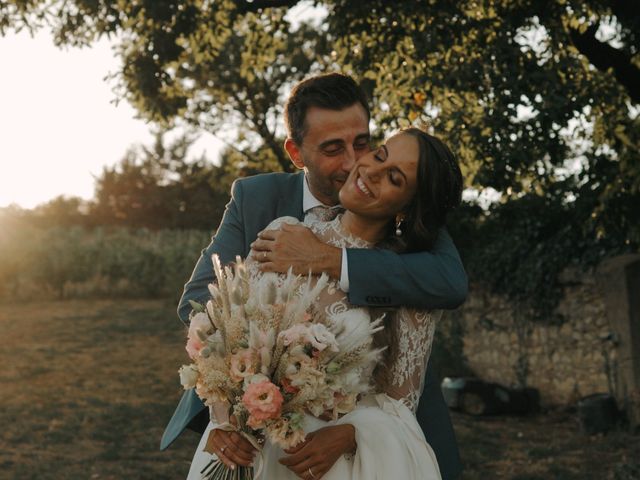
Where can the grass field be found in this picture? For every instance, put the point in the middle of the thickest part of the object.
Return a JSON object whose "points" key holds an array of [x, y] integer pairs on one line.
{"points": [[86, 388]]}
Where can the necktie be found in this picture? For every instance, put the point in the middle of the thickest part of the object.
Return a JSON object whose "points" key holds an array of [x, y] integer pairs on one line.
{"points": [[323, 213]]}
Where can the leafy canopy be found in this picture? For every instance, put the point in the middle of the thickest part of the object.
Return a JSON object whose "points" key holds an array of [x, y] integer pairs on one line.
{"points": [[539, 100]]}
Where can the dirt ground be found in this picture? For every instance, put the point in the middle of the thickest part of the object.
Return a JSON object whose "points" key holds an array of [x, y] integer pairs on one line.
{"points": [[86, 388]]}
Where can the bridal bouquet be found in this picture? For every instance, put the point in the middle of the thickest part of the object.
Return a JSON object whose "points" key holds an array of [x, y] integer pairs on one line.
{"points": [[261, 348]]}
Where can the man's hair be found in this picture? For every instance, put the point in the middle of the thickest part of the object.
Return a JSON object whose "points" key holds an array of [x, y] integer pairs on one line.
{"points": [[332, 91]]}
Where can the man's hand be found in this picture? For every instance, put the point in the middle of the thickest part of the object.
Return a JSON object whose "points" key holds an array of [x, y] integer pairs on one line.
{"points": [[295, 246], [315, 456]]}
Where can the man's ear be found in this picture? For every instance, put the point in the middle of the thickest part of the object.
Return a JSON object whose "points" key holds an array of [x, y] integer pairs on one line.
{"points": [[294, 153]]}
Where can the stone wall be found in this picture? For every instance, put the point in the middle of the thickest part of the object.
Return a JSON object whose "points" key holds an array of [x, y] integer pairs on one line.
{"points": [[566, 361]]}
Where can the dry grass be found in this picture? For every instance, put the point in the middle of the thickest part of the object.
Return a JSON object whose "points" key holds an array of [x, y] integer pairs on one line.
{"points": [[543, 447], [86, 388]]}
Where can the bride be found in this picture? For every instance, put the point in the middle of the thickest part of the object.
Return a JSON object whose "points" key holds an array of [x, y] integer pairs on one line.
{"points": [[396, 197]]}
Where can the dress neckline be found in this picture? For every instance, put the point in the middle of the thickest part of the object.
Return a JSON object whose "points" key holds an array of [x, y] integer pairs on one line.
{"points": [[336, 224]]}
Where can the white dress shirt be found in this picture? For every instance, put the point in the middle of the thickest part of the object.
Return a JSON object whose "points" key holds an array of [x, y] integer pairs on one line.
{"points": [[309, 202]]}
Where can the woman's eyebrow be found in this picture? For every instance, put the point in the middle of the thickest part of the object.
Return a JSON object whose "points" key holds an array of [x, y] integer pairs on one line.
{"points": [[398, 169], [386, 151]]}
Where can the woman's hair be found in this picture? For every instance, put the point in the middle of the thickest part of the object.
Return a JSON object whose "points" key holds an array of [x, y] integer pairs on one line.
{"points": [[438, 191]]}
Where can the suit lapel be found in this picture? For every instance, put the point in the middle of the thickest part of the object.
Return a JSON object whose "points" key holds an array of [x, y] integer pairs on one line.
{"points": [[290, 201]]}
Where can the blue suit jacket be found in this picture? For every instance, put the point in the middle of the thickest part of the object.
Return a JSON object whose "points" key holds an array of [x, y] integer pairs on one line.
{"points": [[427, 280]]}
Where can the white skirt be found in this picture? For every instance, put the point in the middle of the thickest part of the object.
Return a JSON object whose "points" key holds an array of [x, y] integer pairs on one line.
{"points": [[390, 445]]}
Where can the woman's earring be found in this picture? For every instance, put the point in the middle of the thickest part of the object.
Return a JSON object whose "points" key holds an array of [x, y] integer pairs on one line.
{"points": [[398, 230]]}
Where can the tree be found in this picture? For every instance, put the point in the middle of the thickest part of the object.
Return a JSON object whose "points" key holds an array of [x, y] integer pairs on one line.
{"points": [[214, 64], [538, 107], [501, 80], [159, 188], [62, 211], [539, 99]]}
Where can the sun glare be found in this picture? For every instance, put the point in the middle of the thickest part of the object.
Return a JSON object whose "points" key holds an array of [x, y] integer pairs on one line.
{"points": [[58, 124]]}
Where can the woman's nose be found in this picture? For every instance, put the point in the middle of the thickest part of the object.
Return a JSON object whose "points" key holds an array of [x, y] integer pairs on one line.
{"points": [[374, 171]]}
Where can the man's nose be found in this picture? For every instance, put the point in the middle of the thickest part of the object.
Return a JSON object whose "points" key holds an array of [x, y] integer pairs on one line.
{"points": [[348, 159]]}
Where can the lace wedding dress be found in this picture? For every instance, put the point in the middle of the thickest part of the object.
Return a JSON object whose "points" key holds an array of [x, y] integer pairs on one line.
{"points": [[390, 443]]}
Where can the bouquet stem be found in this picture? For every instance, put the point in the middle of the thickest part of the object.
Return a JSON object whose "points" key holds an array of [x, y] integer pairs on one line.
{"points": [[216, 470]]}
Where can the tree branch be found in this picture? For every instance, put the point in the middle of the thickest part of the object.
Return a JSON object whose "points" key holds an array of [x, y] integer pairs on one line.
{"points": [[256, 5], [603, 56], [264, 132]]}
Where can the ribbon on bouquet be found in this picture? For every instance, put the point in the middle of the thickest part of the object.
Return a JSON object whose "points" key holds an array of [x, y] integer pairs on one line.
{"points": [[228, 427]]}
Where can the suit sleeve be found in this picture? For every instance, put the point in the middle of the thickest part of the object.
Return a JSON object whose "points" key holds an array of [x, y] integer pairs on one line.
{"points": [[421, 280], [228, 242]]}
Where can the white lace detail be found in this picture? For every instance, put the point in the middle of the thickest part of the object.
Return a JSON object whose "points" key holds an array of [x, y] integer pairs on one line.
{"points": [[414, 328]]}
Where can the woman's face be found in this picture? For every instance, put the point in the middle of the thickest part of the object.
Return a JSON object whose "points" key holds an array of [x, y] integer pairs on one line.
{"points": [[383, 181]]}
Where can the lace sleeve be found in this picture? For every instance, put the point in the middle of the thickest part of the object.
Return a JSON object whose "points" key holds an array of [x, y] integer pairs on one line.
{"points": [[414, 335]]}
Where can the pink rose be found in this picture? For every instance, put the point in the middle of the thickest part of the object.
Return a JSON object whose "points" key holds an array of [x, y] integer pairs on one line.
{"points": [[194, 345], [287, 387], [200, 321], [263, 401], [242, 365]]}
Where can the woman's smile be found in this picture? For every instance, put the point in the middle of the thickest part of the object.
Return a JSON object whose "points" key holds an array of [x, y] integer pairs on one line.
{"points": [[384, 180], [361, 187]]}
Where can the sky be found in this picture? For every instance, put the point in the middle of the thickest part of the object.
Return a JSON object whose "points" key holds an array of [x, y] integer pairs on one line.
{"points": [[58, 123]]}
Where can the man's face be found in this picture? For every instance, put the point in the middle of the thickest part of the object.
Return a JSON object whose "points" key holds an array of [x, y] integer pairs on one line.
{"points": [[335, 139]]}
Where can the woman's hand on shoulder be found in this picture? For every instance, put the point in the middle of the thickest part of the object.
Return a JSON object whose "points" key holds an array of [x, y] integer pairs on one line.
{"points": [[315, 456]]}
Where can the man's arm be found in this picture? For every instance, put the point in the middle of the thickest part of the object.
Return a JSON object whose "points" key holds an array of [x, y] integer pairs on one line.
{"points": [[423, 280], [227, 242]]}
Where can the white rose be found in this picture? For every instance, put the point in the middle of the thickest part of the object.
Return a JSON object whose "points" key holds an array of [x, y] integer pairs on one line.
{"points": [[188, 376], [321, 338], [258, 377], [200, 321], [353, 327]]}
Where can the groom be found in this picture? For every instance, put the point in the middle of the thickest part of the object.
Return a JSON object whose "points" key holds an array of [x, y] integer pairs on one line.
{"points": [[327, 119]]}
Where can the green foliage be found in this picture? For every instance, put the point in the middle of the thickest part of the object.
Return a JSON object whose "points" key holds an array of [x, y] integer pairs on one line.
{"points": [[159, 188], [61, 211], [521, 247], [472, 71], [539, 100]]}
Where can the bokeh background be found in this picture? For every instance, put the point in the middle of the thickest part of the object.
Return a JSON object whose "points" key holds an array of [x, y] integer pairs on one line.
{"points": [[540, 101]]}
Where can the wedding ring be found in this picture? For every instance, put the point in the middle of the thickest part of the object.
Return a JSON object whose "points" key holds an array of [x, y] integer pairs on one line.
{"points": [[311, 473]]}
